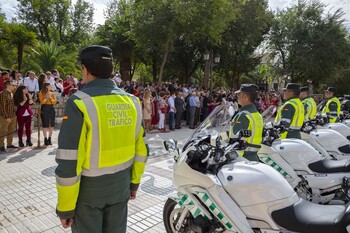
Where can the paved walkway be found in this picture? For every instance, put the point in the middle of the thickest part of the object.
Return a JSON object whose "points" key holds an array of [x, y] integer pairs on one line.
{"points": [[28, 193]]}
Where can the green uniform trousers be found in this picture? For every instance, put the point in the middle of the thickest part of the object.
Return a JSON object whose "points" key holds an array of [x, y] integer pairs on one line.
{"points": [[94, 219], [102, 205]]}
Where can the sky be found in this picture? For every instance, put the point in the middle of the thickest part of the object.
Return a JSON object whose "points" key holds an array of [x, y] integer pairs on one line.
{"points": [[9, 8]]}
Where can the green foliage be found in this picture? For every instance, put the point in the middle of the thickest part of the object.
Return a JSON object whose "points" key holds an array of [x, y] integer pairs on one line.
{"points": [[50, 56], [57, 20], [242, 37], [309, 44]]}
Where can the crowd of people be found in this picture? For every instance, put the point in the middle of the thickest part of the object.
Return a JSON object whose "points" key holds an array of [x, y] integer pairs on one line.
{"points": [[18, 93], [166, 106]]}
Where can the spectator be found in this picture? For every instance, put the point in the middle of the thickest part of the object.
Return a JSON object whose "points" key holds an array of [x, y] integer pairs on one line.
{"points": [[162, 110], [23, 100], [147, 109], [172, 110], [31, 82], [192, 110], [47, 100], [58, 90], [67, 85], [137, 91], [50, 79], [55, 74], [2, 86], [7, 116], [42, 80], [16, 78], [205, 106], [154, 121], [81, 84], [129, 88], [179, 105]]}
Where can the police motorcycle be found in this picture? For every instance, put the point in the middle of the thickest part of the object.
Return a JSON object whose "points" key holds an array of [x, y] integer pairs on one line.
{"points": [[314, 177], [342, 128], [219, 191], [344, 118], [330, 143]]}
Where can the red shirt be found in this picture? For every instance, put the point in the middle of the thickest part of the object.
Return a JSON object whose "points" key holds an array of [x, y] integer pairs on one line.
{"points": [[66, 90], [2, 86]]}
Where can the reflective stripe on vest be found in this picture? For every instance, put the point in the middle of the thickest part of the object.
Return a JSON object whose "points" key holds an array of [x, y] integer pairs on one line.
{"points": [[311, 109], [336, 113], [298, 119], [104, 165], [256, 125]]}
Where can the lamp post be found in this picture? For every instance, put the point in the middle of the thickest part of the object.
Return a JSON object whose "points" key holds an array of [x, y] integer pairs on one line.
{"points": [[211, 61]]}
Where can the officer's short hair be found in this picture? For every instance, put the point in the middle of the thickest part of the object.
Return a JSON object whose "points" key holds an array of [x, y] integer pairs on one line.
{"points": [[296, 93], [252, 96], [97, 60]]}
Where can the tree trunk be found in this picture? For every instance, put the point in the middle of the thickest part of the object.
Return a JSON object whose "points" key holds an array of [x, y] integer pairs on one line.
{"points": [[206, 71], [125, 64], [154, 68], [20, 49], [165, 57]]}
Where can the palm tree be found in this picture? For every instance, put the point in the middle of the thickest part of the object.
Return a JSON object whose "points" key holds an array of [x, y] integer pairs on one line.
{"points": [[50, 56], [20, 36]]}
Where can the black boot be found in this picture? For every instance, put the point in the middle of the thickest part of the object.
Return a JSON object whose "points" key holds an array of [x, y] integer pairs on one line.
{"points": [[49, 141], [20, 143], [29, 143], [46, 142]]}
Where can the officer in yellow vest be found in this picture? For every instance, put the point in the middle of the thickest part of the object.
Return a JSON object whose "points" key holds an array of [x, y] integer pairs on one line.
{"points": [[248, 118], [332, 107], [101, 153], [292, 112], [310, 106]]}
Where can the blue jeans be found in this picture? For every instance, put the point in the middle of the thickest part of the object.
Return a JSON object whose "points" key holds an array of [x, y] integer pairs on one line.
{"points": [[171, 120]]}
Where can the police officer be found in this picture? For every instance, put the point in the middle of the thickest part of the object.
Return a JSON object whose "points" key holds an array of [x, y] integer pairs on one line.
{"points": [[291, 112], [99, 170], [310, 106], [248, 118], [345, 105], [332, 107]]}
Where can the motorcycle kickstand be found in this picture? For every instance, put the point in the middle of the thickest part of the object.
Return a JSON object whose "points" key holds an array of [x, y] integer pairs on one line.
{"points": [[181, 219]]}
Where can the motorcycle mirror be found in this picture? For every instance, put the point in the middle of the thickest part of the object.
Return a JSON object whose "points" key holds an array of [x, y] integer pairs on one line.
{"points": [[231, 111], [268, 125], [224, 135], [170, 145]]}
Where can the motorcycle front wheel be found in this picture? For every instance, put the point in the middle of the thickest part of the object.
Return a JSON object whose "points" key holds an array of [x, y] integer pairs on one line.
{"points": [[171, 215]]}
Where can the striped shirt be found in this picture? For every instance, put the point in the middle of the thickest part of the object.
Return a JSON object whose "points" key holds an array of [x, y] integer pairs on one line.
{"points": [[7, 105]]}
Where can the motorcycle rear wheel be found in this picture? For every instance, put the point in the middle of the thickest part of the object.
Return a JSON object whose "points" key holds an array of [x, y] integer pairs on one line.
{"points": [[171, 214]]}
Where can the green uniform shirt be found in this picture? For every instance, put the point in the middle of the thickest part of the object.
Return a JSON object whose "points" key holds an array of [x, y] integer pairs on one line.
{"points": [[287, 114], [241, 122]]}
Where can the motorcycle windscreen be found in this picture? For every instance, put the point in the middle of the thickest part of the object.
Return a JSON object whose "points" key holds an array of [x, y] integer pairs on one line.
{"points": [[217, 121]]}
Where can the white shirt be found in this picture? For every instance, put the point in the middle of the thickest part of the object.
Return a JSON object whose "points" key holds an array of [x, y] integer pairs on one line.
{"points": [[32, 85], [51, 81], [59, 85]]}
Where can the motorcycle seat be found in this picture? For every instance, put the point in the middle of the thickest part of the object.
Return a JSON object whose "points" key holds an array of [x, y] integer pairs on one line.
{"points": [[330, 166], [307, 217], [345, 149]]}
